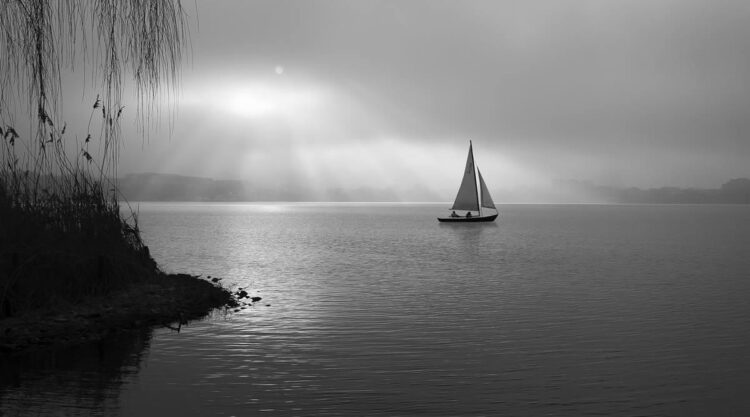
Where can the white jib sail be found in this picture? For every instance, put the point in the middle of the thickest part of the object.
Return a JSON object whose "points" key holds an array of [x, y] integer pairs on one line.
{"points": [[467, 193], [486, 198]]}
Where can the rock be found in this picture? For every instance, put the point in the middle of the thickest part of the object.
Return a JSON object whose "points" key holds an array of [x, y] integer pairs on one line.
{"points": [[254, 299]]}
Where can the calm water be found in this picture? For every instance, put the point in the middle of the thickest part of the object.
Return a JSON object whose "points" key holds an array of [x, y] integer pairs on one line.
{"points": [[380, 310]]}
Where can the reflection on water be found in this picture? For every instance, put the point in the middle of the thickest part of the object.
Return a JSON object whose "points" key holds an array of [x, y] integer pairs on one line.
{"points": [[83, 380], [381, 310]]}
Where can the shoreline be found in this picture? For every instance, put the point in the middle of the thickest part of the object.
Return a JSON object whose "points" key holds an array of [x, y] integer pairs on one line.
{"points": [[162, 301]]}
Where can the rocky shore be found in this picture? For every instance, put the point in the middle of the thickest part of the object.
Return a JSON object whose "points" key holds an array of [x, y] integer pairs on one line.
{"points": [[168, 300]]}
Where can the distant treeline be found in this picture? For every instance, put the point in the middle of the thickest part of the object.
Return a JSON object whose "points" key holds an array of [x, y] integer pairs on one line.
{"points": [[162, 187], [736, 191]]}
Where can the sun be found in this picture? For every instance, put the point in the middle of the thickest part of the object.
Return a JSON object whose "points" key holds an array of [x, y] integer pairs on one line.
{"points": [[252, 105], [269, 98]]}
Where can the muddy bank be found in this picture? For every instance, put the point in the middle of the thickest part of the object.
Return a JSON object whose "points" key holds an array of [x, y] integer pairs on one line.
{"points": [[168, 300]]}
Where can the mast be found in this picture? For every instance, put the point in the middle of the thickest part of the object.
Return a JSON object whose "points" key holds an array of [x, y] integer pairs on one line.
{"points": [[471, 151]]}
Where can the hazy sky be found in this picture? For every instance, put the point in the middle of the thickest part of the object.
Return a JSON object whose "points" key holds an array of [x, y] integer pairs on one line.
{"points": [[387, 94]]}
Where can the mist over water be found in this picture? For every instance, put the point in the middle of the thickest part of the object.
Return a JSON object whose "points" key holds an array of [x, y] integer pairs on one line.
{"points": [[387, 94], [376, 309]]}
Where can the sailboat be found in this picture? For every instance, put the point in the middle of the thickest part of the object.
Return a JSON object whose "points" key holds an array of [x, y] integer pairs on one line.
{"points": [[469, 198]]}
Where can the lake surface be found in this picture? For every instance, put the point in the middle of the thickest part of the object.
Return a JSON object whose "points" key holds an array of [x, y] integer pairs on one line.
{"points": [[377, 309]]}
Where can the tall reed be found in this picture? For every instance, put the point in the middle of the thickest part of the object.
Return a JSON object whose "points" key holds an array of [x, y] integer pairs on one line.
{"points": [[63, 235]]}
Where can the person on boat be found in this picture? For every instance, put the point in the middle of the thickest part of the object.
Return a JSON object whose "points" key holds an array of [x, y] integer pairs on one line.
{"points": [[454, 214], [468, 214]]}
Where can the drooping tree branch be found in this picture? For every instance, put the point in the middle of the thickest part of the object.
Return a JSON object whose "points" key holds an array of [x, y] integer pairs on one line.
{"points": [[39, 38]]}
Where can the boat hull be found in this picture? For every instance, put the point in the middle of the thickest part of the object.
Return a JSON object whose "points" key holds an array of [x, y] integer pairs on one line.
{"points": [[476, 219]]}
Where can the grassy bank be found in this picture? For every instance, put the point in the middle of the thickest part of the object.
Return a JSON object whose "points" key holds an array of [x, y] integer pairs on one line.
{"points": [[63, 240], [64, 243], [166, 300], [73, 268]]}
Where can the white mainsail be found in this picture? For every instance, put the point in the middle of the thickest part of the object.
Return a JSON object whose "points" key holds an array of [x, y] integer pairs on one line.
{"points": [[486, 198], [467, 198]]}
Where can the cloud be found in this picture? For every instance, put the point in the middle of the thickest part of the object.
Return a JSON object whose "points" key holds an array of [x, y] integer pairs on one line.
{"points": [[632, 92]]}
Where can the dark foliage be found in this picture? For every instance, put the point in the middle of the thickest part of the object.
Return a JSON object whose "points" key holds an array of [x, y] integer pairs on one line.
{"points": [[64, 246], [63, 236]]}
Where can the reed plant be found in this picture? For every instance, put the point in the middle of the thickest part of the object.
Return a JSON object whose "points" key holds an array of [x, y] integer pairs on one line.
{"points": [[63, 234]]}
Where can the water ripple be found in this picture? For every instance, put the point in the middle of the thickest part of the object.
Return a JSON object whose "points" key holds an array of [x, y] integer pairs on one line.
{"points": [[378, 310]]}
